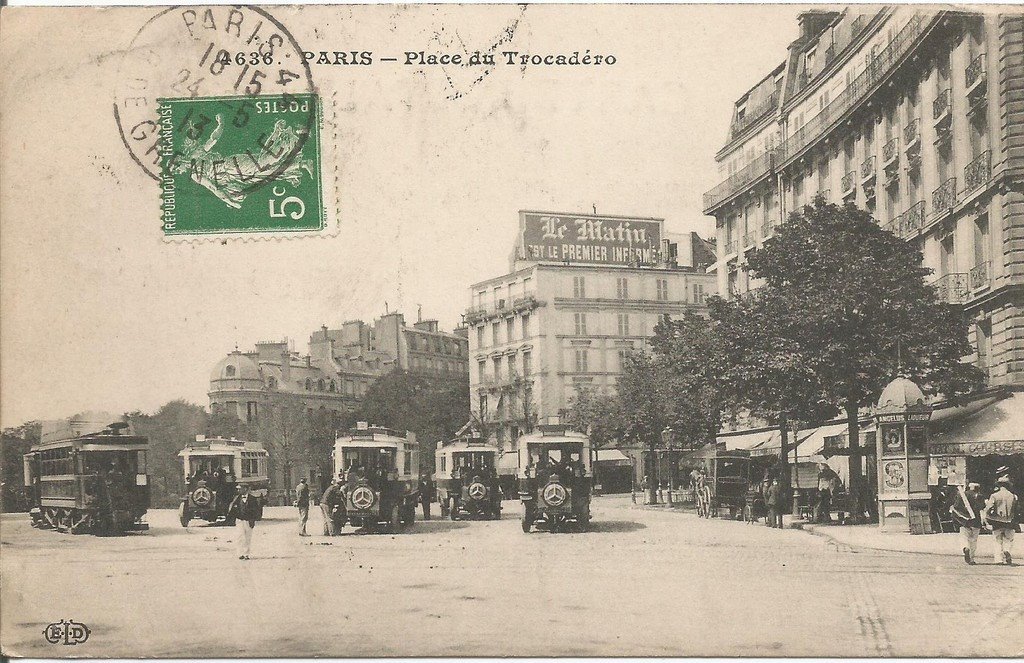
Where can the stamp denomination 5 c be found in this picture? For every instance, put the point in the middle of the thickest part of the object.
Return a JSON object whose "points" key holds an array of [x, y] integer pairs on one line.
{"points": [[240, 164]]}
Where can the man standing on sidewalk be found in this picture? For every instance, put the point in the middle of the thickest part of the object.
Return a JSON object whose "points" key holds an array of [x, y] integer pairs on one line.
{"points": [[966, 511], [302, 501], [773, 499], [1002, 513], [327, 502]]}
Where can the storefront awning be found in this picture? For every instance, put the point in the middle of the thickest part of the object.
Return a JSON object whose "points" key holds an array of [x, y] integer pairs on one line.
{"points": [[613, 457], [810, 447], [995, 429], [747, 440]]}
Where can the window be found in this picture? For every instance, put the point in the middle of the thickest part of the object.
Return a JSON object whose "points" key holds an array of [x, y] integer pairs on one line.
{"points": [[412, 341], [483, 407], [581, 323], [581, 360], [623, 324], [511, 367], [981, 240], [527, 364], [494, 333], [251, 411], [272, 382], [622, 288], [482, 366], [698, 293], [510, 331], [480, 336], [662, 285], [526, 326], [444, 463], [497, 368], [229, 371], [331, 387], [579, 287], [984, 338], [309, 384], [321, 385], [623, 354]]}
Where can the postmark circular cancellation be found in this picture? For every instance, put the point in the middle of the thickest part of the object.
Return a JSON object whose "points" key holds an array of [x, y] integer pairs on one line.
{"points": [[218, 105]]}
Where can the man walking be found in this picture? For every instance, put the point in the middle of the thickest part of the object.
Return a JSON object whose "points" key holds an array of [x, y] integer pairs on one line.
{"points": [[426, 495], [1002, 513], [966, 511], [773, 499], [327, 501], [302, 500], [246, 510]]}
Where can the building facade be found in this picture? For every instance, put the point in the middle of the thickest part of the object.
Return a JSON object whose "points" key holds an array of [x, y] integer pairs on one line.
{"points": [[339, 368], [581, 293], [915, 115]]}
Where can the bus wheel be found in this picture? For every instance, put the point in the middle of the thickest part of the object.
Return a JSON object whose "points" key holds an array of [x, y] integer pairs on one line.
{"points": [[80, 522], [453, 509], [183, 515]]}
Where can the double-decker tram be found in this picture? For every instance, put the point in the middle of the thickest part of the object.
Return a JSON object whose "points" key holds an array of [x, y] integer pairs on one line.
{"points": [[213, 468], [88, 475]]}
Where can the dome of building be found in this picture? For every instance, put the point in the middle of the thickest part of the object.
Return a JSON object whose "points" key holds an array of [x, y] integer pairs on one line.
{"points": [[236, 366], [900, 394]]}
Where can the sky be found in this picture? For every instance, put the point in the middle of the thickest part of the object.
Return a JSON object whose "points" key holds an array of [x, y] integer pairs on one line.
{"points": [[97, 311]]}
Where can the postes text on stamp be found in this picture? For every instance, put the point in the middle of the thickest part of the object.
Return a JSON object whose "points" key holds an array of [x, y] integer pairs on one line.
{"points": [[240, 164]]}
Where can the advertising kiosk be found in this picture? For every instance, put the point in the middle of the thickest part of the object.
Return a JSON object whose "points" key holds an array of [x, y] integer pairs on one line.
{"points": [[902, 451]]}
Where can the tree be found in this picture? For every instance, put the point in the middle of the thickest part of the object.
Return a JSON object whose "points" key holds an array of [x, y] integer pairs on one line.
{"points": [[434, 409], [284, 431], [599, 414], [169, 429], [847, 305], [14, 444]]}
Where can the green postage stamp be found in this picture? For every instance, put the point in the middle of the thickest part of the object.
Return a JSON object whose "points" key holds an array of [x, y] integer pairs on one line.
{"points": [[240, 165]]}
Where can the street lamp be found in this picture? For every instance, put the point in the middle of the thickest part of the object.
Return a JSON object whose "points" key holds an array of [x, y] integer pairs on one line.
{"points": [[667, 443]]}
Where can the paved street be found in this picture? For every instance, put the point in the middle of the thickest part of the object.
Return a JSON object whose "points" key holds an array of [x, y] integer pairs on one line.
{"points": [[645, 582]]}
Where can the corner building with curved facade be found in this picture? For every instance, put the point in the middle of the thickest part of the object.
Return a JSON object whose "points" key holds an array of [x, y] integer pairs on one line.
{"points": [[914, 115]]}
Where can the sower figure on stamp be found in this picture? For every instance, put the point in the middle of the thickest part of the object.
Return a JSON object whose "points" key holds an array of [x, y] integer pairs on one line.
{"points": [[1002, 513], [246, 510], [966, 511], [302, 501]]}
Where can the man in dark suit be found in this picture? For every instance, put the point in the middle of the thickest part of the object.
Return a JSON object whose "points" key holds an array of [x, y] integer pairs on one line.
{"points": [[246, 510], [966, 511]]}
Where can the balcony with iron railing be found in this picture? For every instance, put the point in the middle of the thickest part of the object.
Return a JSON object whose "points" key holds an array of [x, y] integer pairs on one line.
{"points": [[941, 107], [753, 115], [895, 226], [849, 184], [890, 152], [730, 247], [912, 135], [978, 172], [974, 75], [913, 219], [767, 229], [979, 276], [750, 239], [867, 169], [944, 198], [951, 288], [858, 90]]}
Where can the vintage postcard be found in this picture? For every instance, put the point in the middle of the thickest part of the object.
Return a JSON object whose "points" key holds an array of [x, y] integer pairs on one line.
{"points": [[512, 330]]}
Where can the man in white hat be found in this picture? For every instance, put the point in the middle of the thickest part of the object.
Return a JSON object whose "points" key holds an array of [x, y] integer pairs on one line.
{"points": [[1002, 513]]}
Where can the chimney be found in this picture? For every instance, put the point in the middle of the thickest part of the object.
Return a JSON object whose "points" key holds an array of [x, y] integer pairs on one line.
{"points": [[286, 366]]}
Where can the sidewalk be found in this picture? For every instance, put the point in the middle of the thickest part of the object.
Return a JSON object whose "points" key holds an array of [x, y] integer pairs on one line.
{"points": [[865, 536], [869, 536]]}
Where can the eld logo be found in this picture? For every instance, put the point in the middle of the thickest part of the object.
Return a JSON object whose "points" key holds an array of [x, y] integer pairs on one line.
{"points": [[66, 632]]}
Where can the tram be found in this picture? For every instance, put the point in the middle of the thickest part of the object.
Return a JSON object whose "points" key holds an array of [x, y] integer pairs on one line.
{"points": [[213, 468], [88, 475]]}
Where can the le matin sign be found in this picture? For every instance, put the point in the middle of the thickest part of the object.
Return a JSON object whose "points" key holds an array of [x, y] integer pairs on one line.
{"points": [[584, 238]]}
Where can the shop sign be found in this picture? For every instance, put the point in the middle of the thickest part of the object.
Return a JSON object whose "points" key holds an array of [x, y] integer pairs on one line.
{"points": [[591, 239], [1002, 447], [900, 417]]}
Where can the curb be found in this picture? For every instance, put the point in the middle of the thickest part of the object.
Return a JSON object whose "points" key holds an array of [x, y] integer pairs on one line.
{"points": [[814, 530]]}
